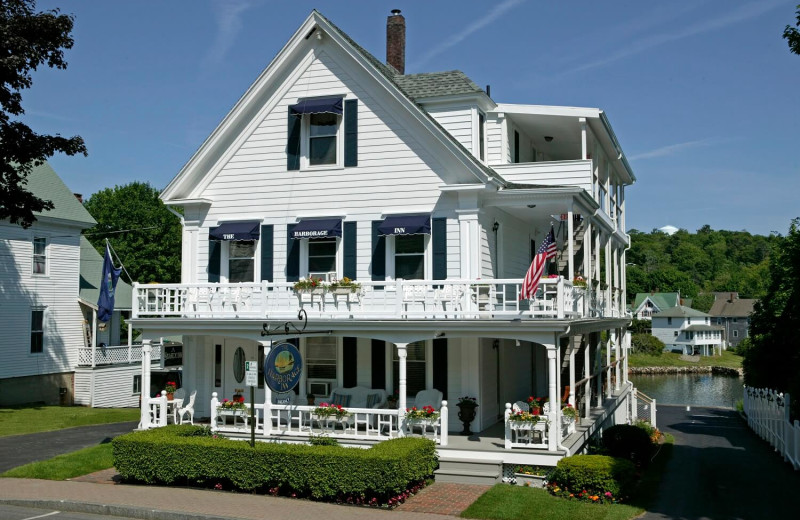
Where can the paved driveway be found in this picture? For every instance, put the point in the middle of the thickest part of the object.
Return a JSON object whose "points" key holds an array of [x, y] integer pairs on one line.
{"points": [[17, 450], [720, 469]]}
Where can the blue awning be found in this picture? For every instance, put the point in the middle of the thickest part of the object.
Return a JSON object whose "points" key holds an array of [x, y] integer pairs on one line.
{"points": [[406, 225], [318, 228], [332, 105], [236, 231]]}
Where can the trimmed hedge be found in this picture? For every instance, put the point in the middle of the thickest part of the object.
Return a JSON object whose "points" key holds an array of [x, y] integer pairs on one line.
{"points": [[181, 454], [629, 442], [588, 476]]}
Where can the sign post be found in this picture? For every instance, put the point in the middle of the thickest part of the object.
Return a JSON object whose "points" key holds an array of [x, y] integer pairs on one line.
{"points": [[251, 380]]}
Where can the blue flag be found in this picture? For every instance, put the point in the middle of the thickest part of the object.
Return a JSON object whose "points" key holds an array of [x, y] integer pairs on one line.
{"points": [[105, 304]]}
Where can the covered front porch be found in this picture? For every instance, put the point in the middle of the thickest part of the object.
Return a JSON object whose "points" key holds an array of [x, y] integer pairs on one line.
{"points": [[497, 364]]}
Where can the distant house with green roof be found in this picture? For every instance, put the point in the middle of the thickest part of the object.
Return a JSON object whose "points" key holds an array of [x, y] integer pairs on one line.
{"points": [[647, 304]]}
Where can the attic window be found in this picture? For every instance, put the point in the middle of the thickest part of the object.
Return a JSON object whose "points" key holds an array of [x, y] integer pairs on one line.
{"points": [[322, 132]]}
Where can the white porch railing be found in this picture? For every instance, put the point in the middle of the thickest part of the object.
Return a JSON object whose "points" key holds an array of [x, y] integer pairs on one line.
{"points": [[643, 408], [116, 355], [767, 414], [412, 299], [300, 421]]}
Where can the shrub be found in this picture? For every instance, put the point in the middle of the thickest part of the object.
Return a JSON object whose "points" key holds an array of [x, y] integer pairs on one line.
{"points": [[173, 454], [322, 440], [651, 430], [592, 478], [647, 344], [628, 442]]}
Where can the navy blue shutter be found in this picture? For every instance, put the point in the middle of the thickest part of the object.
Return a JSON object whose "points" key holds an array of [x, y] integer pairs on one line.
{"points": [[378, 253], [351, 132], [213, 261], [349, 238], [440, 365], [349, 362], [379, 364], [439, 231], [267, 257], [293, 142], [292, 256]]}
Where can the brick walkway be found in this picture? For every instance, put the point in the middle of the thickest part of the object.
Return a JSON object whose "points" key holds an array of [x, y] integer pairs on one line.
{"points": [[444, 498], [438, 498]]}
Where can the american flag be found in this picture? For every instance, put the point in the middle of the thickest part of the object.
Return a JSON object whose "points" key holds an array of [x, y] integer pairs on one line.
{"points": [[545, 252]]}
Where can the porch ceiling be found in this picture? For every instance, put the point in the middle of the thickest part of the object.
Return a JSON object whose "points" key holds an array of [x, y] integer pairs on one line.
{"points": [[536, 330]]}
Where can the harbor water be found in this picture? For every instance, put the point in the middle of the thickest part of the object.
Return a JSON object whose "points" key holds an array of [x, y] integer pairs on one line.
{"points": [[690, 389]]}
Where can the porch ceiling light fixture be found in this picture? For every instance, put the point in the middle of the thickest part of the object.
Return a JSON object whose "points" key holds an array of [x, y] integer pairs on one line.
{"points": [[548, 138]]}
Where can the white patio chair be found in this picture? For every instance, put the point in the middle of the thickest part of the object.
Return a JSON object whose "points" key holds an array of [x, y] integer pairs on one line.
{"points": [[178, 397], [431, 397], [188, 410]]}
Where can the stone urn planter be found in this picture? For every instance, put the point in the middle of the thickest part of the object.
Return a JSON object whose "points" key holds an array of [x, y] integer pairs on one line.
{"points": [[466, 414]]}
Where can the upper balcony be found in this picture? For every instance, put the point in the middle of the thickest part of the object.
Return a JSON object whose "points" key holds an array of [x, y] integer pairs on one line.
{"points": [[556, 298]]}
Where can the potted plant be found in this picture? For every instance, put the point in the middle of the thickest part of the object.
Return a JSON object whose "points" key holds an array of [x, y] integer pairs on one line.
{"points": [[424, 415], [329, 411], [466, 412], [309, 285], [344, 286], [310, 400], [537, 404], [232, 406], [579, 281], [170, 389], [238, 397], [391, 401]]}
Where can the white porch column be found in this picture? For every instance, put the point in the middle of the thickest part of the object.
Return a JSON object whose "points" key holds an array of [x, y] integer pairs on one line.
{"points": [[608, 365], [587, 398], [617, 372], [571, 400], [599, 387], [552, 392], [607, 253], [570, 244], [584, 147], [402, 353], [144, 394], [267, 394]]}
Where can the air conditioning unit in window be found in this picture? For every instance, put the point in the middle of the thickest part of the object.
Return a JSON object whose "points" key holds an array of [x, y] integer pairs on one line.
{"points": [[319, 388], [327, 277]]}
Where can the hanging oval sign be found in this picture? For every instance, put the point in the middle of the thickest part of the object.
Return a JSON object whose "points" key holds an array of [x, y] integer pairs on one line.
{"points": [[283, 367]]}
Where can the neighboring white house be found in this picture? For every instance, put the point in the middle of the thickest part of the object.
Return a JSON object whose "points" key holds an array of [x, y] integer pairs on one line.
{"points": [[434, 198], [645, 305], [41, 322], [687, 330]]}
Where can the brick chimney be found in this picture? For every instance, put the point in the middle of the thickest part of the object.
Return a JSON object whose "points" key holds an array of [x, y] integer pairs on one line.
{"points": [[396, 41], [79, 197]]}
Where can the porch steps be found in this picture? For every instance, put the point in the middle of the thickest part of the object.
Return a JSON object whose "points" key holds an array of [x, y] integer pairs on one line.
{"points": [[463, 471]]}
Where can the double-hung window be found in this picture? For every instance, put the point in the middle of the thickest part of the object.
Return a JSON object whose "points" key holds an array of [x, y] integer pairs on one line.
{"points": [[241, 261], [321, 360], [409, 257], [37, 330], [322, 145], [39, 255], [322, 258]]}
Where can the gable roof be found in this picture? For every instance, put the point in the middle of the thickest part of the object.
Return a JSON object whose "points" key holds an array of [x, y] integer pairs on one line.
{"points": [[680, 311], [662, 301], [45, 183], [739, 308], [454, 82], [92, 275]]}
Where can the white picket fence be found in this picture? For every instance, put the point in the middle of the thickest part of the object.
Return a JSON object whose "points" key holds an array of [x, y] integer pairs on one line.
{"points": [[767, 414]]}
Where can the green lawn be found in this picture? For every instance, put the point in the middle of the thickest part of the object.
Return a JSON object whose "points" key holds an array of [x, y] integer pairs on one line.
{"points": [[669, 359], [32, 419], [62, 467], [504, 502]]}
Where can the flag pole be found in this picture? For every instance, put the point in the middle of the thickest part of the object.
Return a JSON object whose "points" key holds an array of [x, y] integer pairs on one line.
{"points": [[122, 266]]}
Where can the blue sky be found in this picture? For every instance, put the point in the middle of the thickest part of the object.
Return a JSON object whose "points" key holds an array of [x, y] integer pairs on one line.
{"points": [[702, 94]]}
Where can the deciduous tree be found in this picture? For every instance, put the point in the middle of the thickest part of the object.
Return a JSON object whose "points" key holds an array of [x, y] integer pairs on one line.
{"points": [[28, 39], [143, 232], [792, 35]]}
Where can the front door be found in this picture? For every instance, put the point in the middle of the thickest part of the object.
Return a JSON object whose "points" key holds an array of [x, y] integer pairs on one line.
{"points": [[237, 351]]}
